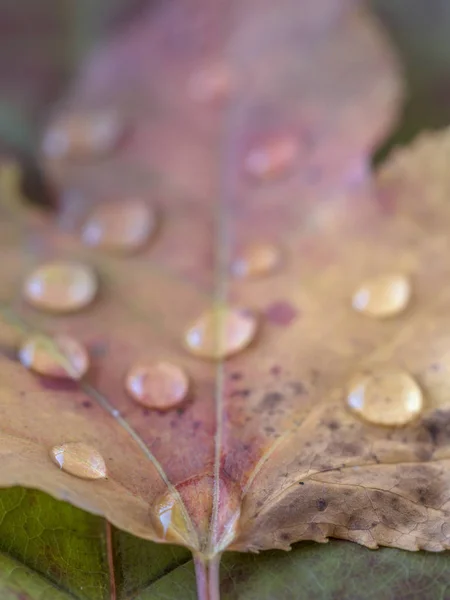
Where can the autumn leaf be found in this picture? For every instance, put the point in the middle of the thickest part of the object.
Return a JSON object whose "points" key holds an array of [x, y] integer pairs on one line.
{"points": [[242, 142]]}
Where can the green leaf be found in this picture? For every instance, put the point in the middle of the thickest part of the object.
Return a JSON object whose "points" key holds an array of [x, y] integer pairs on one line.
{"points": [[63, 548], [50, 550]]}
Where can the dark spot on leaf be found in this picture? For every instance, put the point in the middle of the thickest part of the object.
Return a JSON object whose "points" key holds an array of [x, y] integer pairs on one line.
{"points": [[297, 387], [356, 522], [281, 313], [438, 427], [301, 483], [59, 385], [270, 400], [422, 494], [180, 411], [269, 429], [86, 404], [285, 537], [98, 349], [333, 425], [321, 504]]}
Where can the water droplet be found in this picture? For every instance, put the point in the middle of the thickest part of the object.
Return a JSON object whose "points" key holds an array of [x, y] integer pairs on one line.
{"points": [[383, 296], [61, 356], [80, 460], [158, 385], [61, 286], [170, 520], [385, 397], [211, 84], [221, 332], [80, 135], [256, 260], [272, 158], [123, 226]]}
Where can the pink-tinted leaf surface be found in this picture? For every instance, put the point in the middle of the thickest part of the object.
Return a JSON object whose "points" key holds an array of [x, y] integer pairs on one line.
{"points": [[223, 470]]}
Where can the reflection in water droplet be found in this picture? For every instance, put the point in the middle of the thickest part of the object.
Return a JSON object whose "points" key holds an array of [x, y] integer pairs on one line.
{"points": [[80, 460], [211, 84], [383, 296], [169, 519], [61, 356], [125, 225], [80, 135], [256, 260], [385, 397], [61, 286], [272, 158], [221, 332], [158, 385]]}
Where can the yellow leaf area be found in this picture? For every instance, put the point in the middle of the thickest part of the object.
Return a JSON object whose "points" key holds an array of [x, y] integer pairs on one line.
{"points": [[267, 448]]}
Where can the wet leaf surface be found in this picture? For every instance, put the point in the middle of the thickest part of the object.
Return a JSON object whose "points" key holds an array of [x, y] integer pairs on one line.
{"points": [[290, 460]]}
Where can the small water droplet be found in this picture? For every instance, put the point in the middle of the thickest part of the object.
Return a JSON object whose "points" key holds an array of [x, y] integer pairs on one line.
{"points": [[384, 296], [211, 84], [169, 519], [256, 260], [61, 286], [123, 226], [158, 385], [79, 459], [272, 158], [80, 135], [61, 356], [387, 397], [221, 332]]}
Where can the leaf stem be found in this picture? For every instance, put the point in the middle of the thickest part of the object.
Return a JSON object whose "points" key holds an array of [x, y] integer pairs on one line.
{"points": [[207, 576]]}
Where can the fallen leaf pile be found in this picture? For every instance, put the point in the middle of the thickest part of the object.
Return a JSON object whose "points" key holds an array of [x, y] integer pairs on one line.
{"points": [[229, 334]]}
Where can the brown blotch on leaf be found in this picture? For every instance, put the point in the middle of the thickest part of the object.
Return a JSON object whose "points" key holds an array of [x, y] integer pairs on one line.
{"points": [[271, 400], [321, 504]]}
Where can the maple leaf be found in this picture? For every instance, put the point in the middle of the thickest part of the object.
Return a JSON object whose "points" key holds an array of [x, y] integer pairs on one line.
{"points": [[268, 142]]}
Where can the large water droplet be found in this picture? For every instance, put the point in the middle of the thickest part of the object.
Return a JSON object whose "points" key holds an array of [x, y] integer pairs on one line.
{"points": [[385, 397], [221, 332], [79, 459], [82, 135], [61, 286], [61, 356], [170, 521], [256, 260], [122, 226], [158, 385], [272, 158], [383, 296], [211, 84]]}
